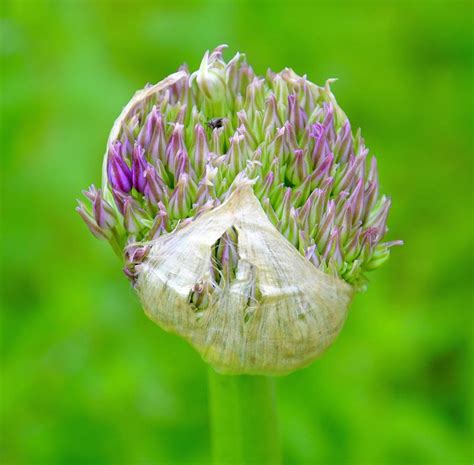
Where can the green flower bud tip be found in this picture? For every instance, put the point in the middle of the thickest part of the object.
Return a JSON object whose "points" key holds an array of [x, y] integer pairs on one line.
{"points": [[246, 211]]}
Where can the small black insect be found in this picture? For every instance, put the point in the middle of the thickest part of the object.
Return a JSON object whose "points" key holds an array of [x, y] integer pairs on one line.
{"points": [[215, 123]]}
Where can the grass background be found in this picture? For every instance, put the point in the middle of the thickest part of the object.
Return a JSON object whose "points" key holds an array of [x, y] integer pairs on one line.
{"points": [[87, 379]]}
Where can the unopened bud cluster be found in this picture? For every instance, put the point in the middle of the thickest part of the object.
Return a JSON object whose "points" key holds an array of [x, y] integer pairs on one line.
{"points": [[181, 151]]}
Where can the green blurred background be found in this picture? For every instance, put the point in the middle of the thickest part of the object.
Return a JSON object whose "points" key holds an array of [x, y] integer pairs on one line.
{"points": [[86, 378]]}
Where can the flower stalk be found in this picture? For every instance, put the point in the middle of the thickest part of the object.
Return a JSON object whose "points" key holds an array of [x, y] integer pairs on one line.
{"points": [[244, 420]]}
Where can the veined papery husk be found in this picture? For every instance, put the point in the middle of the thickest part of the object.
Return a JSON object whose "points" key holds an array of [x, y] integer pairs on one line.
{"points": [[277, 315]]}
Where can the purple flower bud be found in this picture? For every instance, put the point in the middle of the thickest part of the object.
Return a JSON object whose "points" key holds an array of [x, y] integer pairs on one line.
{"points": [[321, 146], [303, 241], [216, 54], [246, 76], [139, 165], [156, 190], [181, 164], [160, 224], [91, 193], [378, 218], [352, 274], [235, 158], [346, 223], [326, 225], [296, 115], [368, 242], [103, 212], [232, 73], [373, 173], [375, 262], [127, 140], [255, 97], [133, 216], [136, 253], [348, 177], [157, 146], [246, 130], [391, 244], [314, 179], [356, 200], [341, 205], [306, 95], [298, 171], [200, 150], [265, 187], [226, 254], [304, 215], [370, 198], [333, 248], [278, 146], [90, 221], [267, 206], [205, 189], [379, 255], [327, 185], [181, 115], [119, 174], [271, 120], [218, 141], [318, 200], [328, 122], [343, 146], [289, 227], [312, 255], [180, 202], [290, 137], [119, 198], [146, 133], [130, 274], [280, 88], [324, 169], [175, 144], [352, 249], [283, 209]]}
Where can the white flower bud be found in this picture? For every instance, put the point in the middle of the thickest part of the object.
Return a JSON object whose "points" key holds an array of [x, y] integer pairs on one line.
{"points": [[210, 78]]}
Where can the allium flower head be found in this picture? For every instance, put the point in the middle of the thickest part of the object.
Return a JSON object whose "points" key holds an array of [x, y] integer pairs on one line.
{"points": [[246, 211]]}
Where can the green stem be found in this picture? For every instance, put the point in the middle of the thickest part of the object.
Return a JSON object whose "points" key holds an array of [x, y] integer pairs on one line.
{"points": [[243, 420]]}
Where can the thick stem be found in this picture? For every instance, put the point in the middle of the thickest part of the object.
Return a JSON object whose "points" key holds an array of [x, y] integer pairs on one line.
{"points": [[243, 420]]}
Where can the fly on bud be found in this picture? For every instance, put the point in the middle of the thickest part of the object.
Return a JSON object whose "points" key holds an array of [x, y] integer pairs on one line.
{"points": [[246, 211]]}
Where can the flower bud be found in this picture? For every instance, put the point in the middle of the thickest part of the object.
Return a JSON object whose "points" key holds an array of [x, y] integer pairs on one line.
{"points": [[119, 173], [244, 211], [139, 166], [211, 77]]}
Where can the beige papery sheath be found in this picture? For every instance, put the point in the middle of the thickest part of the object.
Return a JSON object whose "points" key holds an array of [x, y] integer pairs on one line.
{"points": [[277, 315]]}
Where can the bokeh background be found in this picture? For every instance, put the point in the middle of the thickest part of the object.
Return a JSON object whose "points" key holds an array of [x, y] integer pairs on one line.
{"points": [[87, 379]]}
